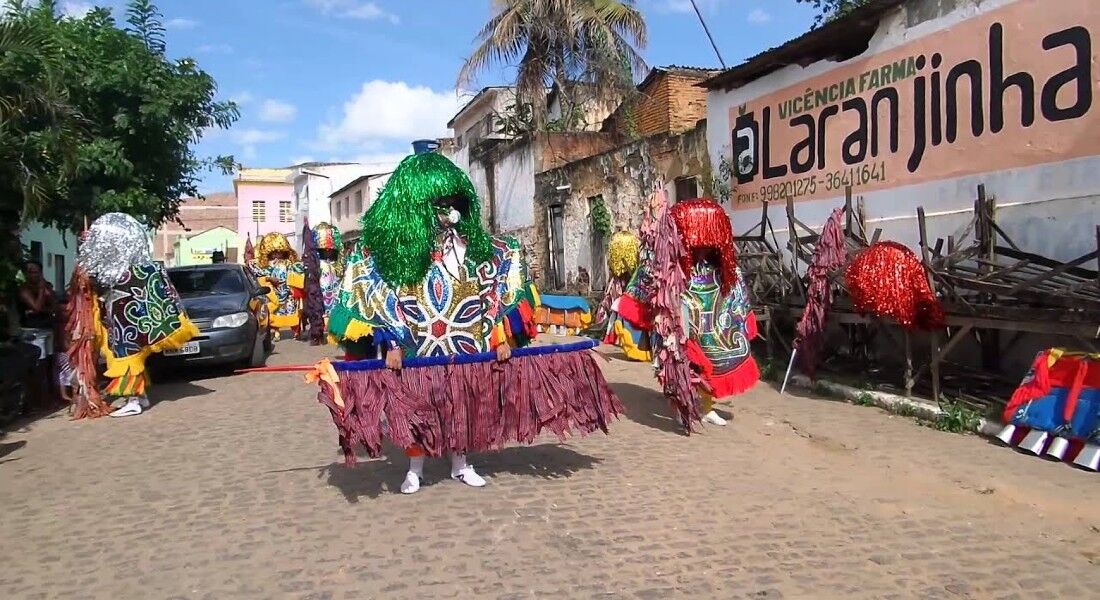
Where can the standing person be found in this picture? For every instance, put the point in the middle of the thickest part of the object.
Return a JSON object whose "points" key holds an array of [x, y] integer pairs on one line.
{"points": [[139, 311], [431, 282], [37, 302], [66, 376]]}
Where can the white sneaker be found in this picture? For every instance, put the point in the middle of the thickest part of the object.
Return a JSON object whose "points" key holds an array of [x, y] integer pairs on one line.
{"points": [[132, 407], [713, 418], [411, 485], [468, 476]]}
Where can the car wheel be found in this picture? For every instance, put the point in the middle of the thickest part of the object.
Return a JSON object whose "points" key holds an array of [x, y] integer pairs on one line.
{"points": [[259, 353]]}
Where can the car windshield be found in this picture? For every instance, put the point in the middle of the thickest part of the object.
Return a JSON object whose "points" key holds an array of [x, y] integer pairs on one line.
{"points": [[201, 282]]}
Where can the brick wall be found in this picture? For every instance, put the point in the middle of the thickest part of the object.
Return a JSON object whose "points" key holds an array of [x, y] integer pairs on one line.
{"points": [[197, 215], [687, 103], [624, 177], [668, 102]]}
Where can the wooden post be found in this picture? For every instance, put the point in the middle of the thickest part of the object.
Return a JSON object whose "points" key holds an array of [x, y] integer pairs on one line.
{"points": [[990, 338], [908, 365]]}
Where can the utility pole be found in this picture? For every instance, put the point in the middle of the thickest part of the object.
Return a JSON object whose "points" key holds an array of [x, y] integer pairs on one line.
{"points": [[709, 36]]}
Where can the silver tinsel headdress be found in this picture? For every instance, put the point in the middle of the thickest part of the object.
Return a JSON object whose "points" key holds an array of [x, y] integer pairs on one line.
{"points": [[114, 243]]}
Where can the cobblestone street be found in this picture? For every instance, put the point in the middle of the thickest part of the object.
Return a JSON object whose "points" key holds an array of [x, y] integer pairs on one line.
{"points": [[233, 487]]}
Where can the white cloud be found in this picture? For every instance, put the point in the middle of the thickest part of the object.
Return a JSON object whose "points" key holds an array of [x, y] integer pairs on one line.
{"points": [[76, 8], [249, 139], [215, 49], [388, 111], [381, 162], [277, 111], [759, 16], [181, 23], [353, 9], [242, 98], [254, 136]]}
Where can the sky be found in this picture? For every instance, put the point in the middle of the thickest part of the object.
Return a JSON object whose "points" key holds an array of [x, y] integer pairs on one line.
{"points": [[358, 80]]}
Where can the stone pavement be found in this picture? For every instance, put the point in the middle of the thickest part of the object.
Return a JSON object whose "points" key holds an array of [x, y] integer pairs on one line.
{"points": [[232, 487]]}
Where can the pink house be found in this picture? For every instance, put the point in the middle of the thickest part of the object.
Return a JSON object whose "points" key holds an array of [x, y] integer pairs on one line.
{"points": [[265, 203]]}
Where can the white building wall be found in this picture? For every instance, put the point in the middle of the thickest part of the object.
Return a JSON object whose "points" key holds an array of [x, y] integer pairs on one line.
{"points": [[515, 189], [1050, 207], [58, 252]]}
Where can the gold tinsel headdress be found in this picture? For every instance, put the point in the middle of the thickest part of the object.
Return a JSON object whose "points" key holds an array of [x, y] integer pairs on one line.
{"points": [[622, 254], [270, 243]]}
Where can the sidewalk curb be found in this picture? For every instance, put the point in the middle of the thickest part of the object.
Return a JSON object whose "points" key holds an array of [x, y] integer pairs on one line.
{"points": [[892, 403]]}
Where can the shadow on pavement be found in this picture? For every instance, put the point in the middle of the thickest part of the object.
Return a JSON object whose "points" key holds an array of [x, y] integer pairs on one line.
{"points": [[6, 449], [171, 391], [647, 407], [372, 478]]}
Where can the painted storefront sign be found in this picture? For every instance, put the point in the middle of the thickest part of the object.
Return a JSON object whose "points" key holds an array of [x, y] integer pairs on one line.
{"points": [[1009, 88]]}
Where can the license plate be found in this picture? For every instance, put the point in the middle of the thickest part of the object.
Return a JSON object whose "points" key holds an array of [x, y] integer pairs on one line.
{"points": [[184, 350]]}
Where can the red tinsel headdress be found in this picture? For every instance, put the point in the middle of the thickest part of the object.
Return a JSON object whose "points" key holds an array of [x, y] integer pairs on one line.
{"points": [[703, 223]]}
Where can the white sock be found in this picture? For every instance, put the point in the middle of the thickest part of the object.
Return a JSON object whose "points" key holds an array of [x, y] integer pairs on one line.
{"points": [[416, 465], [458, 462]]}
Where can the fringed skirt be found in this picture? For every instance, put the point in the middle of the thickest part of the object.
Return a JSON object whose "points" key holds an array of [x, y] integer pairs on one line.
{"points": [[472, 403]]}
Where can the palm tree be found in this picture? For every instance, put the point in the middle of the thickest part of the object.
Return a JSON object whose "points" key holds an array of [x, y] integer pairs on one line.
{"points": [[568, 43]]}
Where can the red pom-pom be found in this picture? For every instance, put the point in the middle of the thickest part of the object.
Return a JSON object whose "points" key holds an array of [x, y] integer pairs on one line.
{"points": [[888, 281]]}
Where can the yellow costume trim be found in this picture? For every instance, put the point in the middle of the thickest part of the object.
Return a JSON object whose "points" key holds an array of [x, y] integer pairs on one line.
{"points": [[296, 280], [357, 330], [283, 321], [134, 365], [1056, 354], [630, 349]]}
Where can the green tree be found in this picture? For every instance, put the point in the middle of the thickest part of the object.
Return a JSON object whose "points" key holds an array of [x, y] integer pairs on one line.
{"points": [[827, 10], [588, 48], [142, 113], [39, 133]]}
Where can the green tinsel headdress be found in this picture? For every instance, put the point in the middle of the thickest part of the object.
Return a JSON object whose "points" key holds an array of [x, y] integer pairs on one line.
{"points": [[400, 227]]}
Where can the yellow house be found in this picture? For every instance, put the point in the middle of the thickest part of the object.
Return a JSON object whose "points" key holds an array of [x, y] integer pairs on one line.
{"points": [[198, 249]]}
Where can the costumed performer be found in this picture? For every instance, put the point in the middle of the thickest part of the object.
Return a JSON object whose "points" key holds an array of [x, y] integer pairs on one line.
{"points": [[277, 267], [622, 266], [139, 310], [717, 316], [330, 253], [431, 282]]}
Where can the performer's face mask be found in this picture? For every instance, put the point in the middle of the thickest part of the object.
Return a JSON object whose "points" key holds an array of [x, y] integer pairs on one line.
{"points": [[449, 210], [706, 256]]}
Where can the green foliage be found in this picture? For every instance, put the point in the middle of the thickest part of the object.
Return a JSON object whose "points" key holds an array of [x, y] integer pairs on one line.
{"points": [[138, 114], [720, 184], [601, 217], [561, 42], [95, 118], [865, 399], [517, 120], [828, 10], [956, 417]]}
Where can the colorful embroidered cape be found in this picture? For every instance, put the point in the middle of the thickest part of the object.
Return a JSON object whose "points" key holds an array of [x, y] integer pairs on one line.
{"points": [[630, 332], [720, 329], [330, 283], [447, 313], [142, 315], [1059, 395], [286, 280]]}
